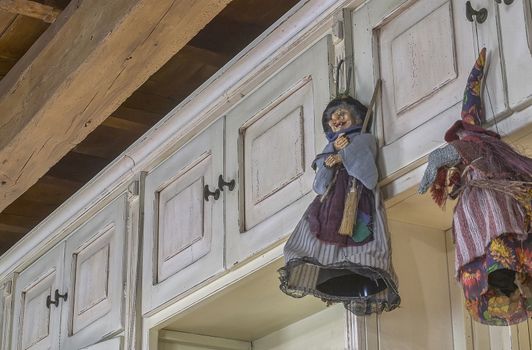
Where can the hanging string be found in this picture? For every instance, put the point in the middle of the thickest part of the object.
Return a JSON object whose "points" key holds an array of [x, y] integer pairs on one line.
{"points": [[485, 83], [348, 81], [338, 77]]}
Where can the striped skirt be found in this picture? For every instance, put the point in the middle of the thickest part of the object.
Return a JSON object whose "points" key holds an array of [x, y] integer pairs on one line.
{"points": [[360, 277], [481, 215]]}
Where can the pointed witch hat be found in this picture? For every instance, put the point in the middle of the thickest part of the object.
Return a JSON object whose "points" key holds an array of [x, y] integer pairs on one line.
{"points": [[472, 112]]}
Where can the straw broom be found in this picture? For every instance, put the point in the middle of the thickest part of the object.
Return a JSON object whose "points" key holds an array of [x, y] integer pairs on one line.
{"points": [[351, 202]]}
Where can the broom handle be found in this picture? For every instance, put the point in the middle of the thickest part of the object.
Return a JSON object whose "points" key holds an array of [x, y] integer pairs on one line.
{"points": [[369, 113]]}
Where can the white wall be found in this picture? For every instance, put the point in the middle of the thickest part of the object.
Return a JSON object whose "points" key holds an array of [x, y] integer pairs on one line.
{"points": [[321, 331]]}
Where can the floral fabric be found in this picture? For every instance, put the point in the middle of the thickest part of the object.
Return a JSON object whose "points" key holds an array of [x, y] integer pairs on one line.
{"points": [[498, 286]]}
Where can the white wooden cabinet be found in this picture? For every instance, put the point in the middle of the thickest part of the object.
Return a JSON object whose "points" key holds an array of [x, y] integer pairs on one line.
{"points": [[36, 325], [95, 277], [111, 344], [6, 310], [516, 37], [271, 139], [73, 295], [183, 230], [423, 51]]}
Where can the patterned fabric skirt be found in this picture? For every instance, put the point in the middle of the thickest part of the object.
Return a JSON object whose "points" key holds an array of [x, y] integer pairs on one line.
{"points": [[359, 275], [498, 286]]}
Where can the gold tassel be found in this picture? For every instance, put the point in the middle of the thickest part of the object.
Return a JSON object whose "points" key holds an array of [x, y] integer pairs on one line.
{"points": [[350, 212]]}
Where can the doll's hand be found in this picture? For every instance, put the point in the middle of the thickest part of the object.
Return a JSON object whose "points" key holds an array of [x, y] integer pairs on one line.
{"points": [[332, 160], [341, 142]]}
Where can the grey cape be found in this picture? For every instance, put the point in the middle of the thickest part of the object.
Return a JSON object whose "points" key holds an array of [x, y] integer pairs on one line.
{"points": [[361, 277]]}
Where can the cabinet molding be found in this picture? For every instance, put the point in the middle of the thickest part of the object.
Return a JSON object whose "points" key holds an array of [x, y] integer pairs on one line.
{"points": [[36, 326], [183, 233], [272, 49]]}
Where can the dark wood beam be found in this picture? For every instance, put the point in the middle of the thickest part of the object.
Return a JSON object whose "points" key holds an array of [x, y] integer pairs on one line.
{"points": [[81, 70]]}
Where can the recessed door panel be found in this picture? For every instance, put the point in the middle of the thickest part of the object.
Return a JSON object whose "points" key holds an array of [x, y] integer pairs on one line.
{"points": [[183, 224], [183, 229], [275, 144], [423, 51], [94, 264], [272, 137], [36, 322], [516, 33]]}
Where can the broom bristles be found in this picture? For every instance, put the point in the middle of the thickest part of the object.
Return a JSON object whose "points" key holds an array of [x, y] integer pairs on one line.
{"points": [[350, 213]]}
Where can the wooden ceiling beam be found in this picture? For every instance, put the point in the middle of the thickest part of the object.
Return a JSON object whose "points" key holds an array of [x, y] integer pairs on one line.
{"points": [[95, 55], [30, 8]]}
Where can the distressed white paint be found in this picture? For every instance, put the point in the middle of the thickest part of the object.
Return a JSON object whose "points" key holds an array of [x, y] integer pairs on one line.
{"points": [[302, 25], [111, 344], [417, 68], [274, 150], [35, 326], [204, 107], [183, 233], [6, 313], [184, 228], [516, 30], [487, 35], [277, 125], [425, 60], [95, 277]]}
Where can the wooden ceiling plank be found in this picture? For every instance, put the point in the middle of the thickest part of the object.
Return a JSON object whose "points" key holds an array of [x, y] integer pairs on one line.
{"points": [[106, 50], [30, 8], [6, 19], [18, 221], [127, 125]]}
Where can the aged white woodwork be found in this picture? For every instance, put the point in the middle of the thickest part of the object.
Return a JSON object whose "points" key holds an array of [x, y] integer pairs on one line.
{"points": [[6, 312], [118, 45], [274, 146], [271, 139], [516, 35], [487, 35], [35, 326], [111, 344], [94, 264], [183, 232], [181, 219], [302, 25], [423, 52]]}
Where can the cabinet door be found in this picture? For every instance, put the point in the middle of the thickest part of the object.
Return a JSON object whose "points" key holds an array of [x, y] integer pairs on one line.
{"points": [[516, 32], [270, 145], [36, 326], [95, 278], [6, 306], [111, 344], [183, 231], [423, 51]]}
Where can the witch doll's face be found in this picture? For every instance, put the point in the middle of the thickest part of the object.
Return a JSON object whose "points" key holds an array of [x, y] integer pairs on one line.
{"points": [[340, 119]]}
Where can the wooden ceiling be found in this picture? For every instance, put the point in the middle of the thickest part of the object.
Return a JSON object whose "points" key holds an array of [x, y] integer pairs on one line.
{"points": [[226, 35]]}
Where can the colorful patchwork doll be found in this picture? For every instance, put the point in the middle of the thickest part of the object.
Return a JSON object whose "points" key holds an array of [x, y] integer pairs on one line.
{"points": [[340, 250], [491, 222]]}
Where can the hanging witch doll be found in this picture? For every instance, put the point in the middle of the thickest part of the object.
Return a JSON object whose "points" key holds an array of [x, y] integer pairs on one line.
{"points": [[491, 221], [340, 249]]}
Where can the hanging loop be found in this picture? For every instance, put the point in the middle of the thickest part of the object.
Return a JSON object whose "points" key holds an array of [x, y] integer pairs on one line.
{"points": [[221, 183], [506, 2], [480, 15], [55, 302], [208, 193]]}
